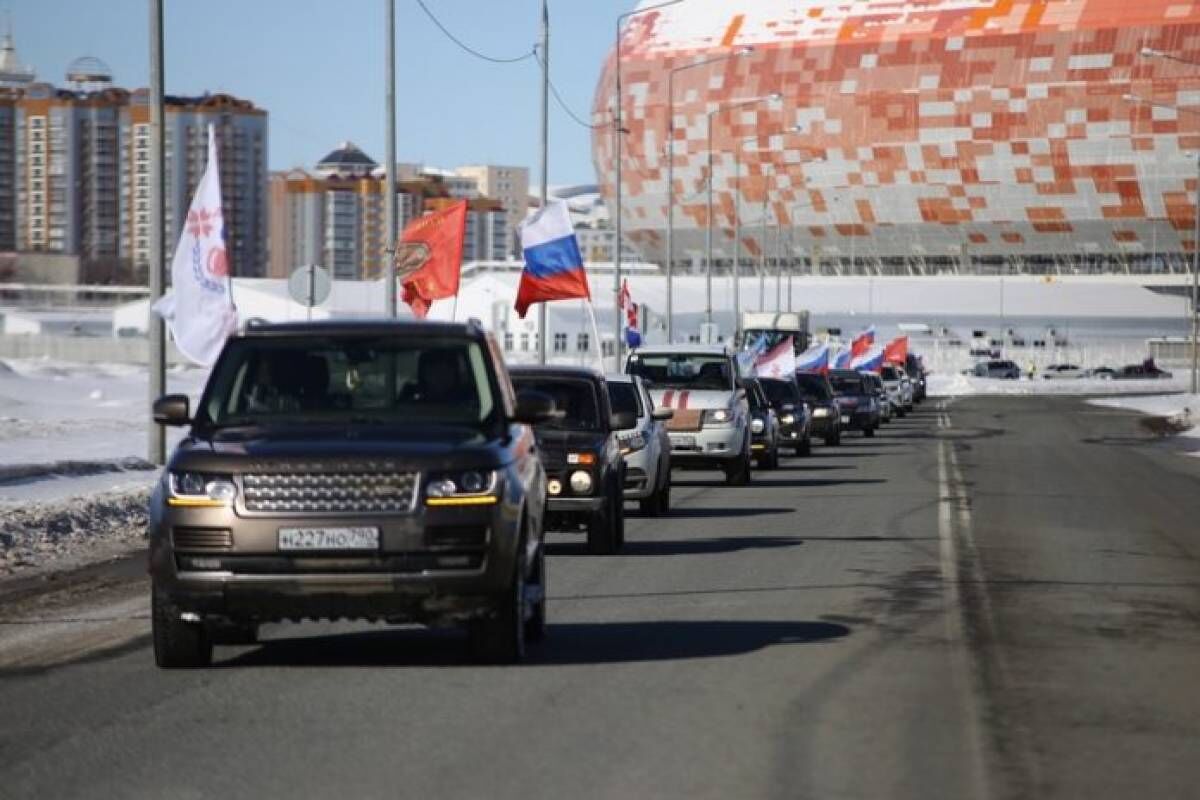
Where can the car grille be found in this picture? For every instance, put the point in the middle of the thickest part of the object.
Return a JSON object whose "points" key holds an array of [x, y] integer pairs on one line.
{"points": [[202, 538], [330, 492]]}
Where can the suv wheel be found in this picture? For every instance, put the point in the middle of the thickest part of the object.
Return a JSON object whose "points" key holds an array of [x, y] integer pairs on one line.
{"points": [[602, 529], [618, 515], [500, 638], [177, 644], [535, 589], [738, 473], [805, 446], [869, 432], [664, 497]]}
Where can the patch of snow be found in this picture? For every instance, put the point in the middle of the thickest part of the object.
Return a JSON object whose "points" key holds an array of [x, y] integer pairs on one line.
{"points": [[959, 385], [1179, 409]]}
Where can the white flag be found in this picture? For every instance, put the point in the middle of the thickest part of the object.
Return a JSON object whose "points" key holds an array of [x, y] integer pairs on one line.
{"points": [[779, 362], [199, 307]]}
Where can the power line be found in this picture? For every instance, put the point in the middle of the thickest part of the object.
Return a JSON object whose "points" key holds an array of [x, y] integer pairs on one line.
{"points": [[463, 45], [558, 98]]}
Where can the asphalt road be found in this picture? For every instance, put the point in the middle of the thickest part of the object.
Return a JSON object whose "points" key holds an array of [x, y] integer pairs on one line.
{"points": [[999, 598]]}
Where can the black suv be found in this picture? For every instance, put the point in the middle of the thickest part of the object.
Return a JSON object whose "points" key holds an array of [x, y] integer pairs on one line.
{"points": [[370, 470], [826, 415], [585, 472], [857, 400], [764, 424], [795, 417]]}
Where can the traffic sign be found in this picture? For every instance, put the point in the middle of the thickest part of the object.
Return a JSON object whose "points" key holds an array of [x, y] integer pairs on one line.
{"points": [[310, 285]]}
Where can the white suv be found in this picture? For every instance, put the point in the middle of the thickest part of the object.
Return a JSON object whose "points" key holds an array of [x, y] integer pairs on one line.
{"points": [[898, 387], [711, 425]]}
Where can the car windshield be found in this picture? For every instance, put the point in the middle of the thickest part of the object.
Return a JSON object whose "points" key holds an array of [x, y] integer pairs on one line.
{"points": [[695, 371], [781, 392], [575, 398], [814, 388], [339, 379], [847, 384], [623, 397], [890, 374]]}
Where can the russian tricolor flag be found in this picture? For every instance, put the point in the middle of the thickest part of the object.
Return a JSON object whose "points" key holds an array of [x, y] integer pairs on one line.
{"points": [[862, 343], [842, 359], [814, 359], [870, 361], [553, 264]]}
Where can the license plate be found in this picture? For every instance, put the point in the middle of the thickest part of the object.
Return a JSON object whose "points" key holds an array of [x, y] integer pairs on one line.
{"points": [[683, 441], [845, 419], [329, 538]]}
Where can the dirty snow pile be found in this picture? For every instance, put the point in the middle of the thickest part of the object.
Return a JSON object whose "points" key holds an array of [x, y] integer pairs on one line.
{"points": [[1178, 414], [944, 384], [74, 481]]}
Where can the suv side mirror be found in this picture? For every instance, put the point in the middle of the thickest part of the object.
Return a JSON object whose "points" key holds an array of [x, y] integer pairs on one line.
{"points": [[173, 410], [623, 421], [534, 408], [662, 414]]}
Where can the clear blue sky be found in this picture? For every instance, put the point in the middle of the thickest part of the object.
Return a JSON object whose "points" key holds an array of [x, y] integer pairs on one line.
{"points": [[317, 67]]}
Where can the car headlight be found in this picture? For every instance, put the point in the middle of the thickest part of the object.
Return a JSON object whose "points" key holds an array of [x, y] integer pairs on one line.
{"points": [[757, 425], [197, 489], [581, 482], [717, 416], [631, 443], [821, 412], [470, 487], [788, 419]]}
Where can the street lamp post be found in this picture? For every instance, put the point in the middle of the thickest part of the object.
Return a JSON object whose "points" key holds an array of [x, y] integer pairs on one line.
{"points": [[618, 132], [745, 51], [708, 231], [1195, 315]]}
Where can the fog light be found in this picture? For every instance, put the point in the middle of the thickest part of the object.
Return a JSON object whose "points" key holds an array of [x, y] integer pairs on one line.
{"points": [[757, 425], [554, 487], [581, 482]]}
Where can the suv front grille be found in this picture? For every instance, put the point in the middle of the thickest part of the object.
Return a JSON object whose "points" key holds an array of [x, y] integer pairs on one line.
{"points": [[202, 538], [330, 492]]}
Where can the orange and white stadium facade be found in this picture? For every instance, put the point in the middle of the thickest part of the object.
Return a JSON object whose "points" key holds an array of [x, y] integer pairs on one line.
{"points": [[949, 129]]}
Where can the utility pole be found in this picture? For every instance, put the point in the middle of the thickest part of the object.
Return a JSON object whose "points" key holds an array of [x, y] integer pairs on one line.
{"points": [[156, 437], [1196, 288], [390, 166], [543, 332]]}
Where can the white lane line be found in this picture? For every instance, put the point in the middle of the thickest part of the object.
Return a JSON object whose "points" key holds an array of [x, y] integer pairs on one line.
{"points": [[966, 676]]}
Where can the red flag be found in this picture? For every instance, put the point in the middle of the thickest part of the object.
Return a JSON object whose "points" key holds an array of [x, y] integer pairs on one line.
{"points": [[896, 351], [860, 345], [631, 310], [443, 233]]}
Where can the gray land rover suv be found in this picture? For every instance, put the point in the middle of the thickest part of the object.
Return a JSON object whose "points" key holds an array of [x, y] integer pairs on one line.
{"points": [[351, 470]]}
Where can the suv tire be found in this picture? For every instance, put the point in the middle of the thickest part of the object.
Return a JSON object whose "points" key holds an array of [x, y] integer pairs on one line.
{"points": [[869, 432], [177, 644], [805, 446], [833, 439], [738, 473], [602, 529], [500, 638], [664, 498], [535, 623]]}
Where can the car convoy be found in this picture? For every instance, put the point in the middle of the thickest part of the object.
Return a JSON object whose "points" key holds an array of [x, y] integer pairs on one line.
{"points": [[401, 472]]}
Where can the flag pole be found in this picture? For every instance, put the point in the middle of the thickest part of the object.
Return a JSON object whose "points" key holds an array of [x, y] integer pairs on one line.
{"points": [[543, 333], [390, 166], [157, 361], [595, 332]]}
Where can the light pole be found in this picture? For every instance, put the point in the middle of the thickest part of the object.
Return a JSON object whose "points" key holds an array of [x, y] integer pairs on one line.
{"points": [[1195, 315], [389, 180], [156, 438], [745, 51], [708, 231], [543, 313], [618, 131]]}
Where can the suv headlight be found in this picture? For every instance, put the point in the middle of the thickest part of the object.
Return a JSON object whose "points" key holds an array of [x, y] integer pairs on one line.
{"points": [[757, 425], [788, 419], [631, 442], [581, 481], [717, 417], [821, 412], [200, 490], [472, 487]]}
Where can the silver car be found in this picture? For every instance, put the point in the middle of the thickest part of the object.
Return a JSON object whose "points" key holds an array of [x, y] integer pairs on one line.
{"points": [[646, 448], [898, 388]]}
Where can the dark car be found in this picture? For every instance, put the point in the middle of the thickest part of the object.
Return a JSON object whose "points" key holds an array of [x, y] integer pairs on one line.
{"points": [[795, 417], [764, 425], [996, 368], [826, 415], [585, 472], [914, 365], [856, 399], [369, 470], [1146, 370]]}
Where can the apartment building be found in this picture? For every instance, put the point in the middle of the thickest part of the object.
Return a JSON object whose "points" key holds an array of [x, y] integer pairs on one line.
{"points": [[509, 186]]}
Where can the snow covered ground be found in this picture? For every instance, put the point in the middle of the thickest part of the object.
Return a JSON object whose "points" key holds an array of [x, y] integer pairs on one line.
{"points": [[73, 475], [948, 384], [1178, 409]]}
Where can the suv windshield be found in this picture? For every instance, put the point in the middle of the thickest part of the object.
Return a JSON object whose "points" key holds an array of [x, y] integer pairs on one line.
{"points": [[814, 387], [890, 374], [341, 379], [846, 384], [623, 398], [781, 392], [696, 371], [576, 399]]}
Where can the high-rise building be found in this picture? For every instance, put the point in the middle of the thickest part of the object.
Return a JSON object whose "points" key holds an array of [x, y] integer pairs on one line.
{"points": [[75, 170], [510, 186]]}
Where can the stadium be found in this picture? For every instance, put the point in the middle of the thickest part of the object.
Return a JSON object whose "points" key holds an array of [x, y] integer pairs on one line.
{"points": [[953, 136]]}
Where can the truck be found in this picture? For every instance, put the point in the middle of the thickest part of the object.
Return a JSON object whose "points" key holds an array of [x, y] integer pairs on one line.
{"points": [[774, 327]]}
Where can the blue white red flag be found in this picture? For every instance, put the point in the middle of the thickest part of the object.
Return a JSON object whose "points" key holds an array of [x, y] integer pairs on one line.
{"points": [[199, 308], [870, 361], [842, 359], [862, 343], [814, 359], [553, 264]]}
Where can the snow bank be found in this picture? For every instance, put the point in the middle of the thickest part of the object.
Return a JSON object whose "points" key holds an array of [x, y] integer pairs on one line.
{"points": [[958, 385], [1178, 409]]}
